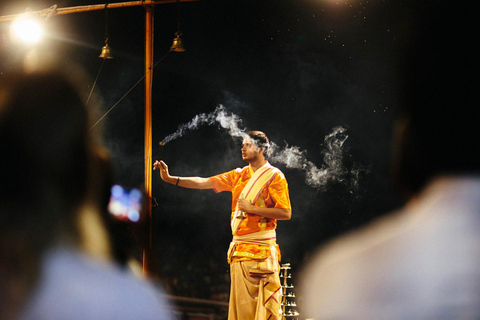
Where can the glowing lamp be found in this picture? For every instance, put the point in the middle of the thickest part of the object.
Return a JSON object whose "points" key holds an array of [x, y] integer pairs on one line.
{"points": [[26, 30]]}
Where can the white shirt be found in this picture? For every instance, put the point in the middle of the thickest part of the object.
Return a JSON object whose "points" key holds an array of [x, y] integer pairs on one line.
{"points": [[73, 286]]}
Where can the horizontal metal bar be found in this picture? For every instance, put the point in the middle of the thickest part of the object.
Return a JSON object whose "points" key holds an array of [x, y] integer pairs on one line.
{"points": [[93, 7]]}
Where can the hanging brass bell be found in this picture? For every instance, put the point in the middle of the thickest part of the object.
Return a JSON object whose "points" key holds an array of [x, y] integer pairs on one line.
{"points": [[177, 45], [106, 54]]}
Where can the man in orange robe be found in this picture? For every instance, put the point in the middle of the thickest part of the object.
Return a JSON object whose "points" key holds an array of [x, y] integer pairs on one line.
{"points": [[259, 198]]}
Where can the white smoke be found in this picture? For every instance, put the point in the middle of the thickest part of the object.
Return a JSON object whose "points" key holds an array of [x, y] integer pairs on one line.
{"points": [[230, 122], [332, 170]]}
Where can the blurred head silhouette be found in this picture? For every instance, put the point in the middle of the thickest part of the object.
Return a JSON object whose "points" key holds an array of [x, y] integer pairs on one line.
{"points": [[45, 170]]}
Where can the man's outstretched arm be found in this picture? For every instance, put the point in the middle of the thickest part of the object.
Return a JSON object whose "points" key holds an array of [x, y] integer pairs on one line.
{"points": [[185, 182]]}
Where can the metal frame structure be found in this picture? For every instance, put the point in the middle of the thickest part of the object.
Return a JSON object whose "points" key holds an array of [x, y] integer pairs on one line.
{"points": [[149, 33]]}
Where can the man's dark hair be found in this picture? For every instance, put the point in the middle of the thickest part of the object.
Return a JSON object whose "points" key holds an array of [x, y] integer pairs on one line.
{"points": [[260, 139]]}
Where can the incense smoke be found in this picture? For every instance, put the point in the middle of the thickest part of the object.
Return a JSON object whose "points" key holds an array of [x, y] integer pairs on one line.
{"points": [[220, 115], [333, 169]]}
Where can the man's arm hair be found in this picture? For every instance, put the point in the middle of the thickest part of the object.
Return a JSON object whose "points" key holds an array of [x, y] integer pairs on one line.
{"points": [[192, 182]]}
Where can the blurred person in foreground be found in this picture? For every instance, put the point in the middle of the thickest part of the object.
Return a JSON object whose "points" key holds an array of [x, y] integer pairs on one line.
{"points": [[421, 262], [55, 255], [260, 197]]}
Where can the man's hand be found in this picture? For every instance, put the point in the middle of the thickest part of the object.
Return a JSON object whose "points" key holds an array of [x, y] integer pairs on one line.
{"points": [[162, 166], [184, 182], [244, 205], [271, 213]]}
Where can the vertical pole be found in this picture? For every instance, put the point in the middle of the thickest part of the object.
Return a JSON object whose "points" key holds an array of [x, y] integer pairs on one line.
{"points": [[148, 126]]}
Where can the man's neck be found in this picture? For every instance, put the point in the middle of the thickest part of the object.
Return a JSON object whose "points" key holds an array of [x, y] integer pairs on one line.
{"points": [[257, 164]]}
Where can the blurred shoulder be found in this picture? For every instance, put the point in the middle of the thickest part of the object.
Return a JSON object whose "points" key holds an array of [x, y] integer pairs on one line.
{"points": [[95, 290]]}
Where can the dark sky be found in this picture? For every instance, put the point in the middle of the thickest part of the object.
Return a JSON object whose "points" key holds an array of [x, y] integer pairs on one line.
{"points": [[294, 69]]}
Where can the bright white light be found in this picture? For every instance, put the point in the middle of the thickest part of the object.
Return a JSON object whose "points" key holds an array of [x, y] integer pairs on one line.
{"points": [[26, 30]]}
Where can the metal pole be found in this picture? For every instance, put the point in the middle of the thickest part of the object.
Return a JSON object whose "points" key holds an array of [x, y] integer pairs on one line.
{"points": [[148, 123]]}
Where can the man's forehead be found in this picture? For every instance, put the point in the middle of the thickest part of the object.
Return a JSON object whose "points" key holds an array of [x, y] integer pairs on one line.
{"points": [[248, 140]]}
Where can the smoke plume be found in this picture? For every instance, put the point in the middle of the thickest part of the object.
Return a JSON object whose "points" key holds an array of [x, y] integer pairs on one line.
{"points": [[332, 170], [227, 121]]}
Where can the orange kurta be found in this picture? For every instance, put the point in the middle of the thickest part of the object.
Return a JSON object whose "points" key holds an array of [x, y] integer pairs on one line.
{"points": [[275, 195]]}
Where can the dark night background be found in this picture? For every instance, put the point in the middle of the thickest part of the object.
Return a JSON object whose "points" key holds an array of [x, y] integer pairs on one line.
{"points": [[294, 69]]}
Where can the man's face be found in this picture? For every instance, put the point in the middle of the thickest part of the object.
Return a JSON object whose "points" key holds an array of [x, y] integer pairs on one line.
{"points": [[250, 151]]}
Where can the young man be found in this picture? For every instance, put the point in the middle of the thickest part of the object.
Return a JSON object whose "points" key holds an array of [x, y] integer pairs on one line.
{"points": [[259, 198]]}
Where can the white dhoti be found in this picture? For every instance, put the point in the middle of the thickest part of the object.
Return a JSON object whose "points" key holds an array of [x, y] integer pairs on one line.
{"points": [[255, 292]]}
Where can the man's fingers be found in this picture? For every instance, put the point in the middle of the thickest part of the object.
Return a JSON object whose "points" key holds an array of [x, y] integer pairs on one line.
{"points": [[160, 165], [164, 165]]}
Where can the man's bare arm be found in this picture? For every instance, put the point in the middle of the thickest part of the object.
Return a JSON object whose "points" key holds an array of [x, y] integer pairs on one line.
{"points": [[272, 213], [185, 182]]}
